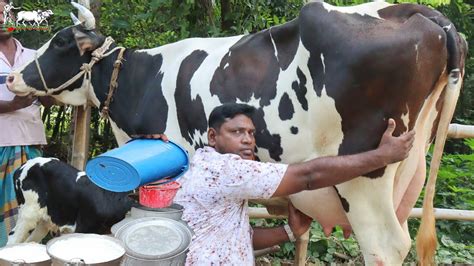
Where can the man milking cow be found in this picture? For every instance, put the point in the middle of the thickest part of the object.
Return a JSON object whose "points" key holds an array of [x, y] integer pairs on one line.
{"points": [[224, 176]]}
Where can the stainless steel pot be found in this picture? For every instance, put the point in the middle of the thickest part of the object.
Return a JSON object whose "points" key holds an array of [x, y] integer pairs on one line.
{"points": [[21, 255], [155, 241], [174, 211], [177, 260], [86, 244]]}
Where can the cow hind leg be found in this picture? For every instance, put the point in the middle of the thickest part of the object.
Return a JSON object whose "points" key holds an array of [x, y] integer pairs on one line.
{"points": [[382, 239]]}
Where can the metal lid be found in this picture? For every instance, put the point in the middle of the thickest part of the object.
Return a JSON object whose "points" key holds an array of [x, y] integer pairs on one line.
{"points": [[154, 237]]}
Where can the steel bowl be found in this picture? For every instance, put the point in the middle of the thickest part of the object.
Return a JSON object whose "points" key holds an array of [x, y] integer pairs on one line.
{"points": [[59, 260]]}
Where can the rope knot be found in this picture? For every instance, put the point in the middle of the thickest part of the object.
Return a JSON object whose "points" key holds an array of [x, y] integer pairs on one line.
{"points": [[86, 67], [105, 112], [118, 63]]}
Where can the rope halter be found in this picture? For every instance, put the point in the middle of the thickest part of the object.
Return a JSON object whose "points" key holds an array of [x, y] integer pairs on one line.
{"points": [[85, 69]]}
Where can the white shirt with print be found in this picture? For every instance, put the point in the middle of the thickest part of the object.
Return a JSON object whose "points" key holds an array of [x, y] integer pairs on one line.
{"points": [[214, 194]]}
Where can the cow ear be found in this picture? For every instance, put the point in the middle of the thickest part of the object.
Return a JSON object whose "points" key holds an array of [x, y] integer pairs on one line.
{"points": [[86, 41]]}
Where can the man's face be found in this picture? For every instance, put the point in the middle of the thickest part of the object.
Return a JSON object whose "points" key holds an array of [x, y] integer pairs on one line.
{"points": [[235, 136]]}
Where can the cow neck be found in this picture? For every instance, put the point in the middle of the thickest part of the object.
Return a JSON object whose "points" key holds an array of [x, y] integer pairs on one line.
{"points": [[113, 83]]}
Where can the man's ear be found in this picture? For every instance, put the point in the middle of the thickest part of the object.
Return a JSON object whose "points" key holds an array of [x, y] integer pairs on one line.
{"points": [[86, 41], [211, 137]]}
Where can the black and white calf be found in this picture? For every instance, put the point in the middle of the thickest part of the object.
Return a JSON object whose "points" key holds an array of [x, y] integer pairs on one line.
{"points": [[54, 196]]}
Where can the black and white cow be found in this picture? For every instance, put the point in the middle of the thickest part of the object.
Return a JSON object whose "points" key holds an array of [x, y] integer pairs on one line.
{"points": [[324, 84], [56, 197]]}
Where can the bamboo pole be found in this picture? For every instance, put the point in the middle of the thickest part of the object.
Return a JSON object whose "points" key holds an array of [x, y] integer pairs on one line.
{"points": [[440, 214], [457, 131], [81, 127]]}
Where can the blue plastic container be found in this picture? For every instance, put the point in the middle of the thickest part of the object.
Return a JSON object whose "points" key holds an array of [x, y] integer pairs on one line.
{"points": [[137, 163]]}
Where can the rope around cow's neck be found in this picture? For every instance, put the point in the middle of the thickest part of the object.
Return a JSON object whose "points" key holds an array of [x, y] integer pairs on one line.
{"points": [[86, 69]]}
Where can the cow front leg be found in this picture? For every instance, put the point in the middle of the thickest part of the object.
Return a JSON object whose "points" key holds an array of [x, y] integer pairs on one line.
{"points": [[22, 230], [41, 230], [371, 213]]}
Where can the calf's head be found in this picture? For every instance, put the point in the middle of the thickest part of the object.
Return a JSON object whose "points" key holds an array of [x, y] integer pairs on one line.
{"points": [[58, 61]]}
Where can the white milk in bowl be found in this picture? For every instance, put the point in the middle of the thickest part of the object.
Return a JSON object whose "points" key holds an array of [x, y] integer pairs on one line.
{"points": [[24, 253], [86, 248]]}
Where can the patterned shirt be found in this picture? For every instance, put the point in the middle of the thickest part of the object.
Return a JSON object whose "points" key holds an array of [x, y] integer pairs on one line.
{"points": [[214, 194]]}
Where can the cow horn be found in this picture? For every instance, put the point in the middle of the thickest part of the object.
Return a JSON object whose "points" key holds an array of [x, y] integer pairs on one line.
{"points": [[89, 20], [75, 20]]}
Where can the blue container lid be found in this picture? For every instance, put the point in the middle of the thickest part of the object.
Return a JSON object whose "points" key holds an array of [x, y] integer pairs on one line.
{"points": [[113, 174], [137, 163]]}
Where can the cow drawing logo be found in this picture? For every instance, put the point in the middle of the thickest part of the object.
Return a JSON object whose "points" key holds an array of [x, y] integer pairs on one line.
{"points": [[25, 20]]}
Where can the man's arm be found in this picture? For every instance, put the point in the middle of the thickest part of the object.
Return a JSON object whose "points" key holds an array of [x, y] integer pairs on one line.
{"points": [[267, 237], [333, 170], [15, 104]]}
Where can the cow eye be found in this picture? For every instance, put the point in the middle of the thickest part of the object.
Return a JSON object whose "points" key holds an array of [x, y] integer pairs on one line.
{"points": [[59, 42]]}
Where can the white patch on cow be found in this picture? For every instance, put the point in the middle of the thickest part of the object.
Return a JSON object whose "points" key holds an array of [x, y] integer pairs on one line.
{"points": [[383, 234], [322, 62], [369, 9], [25, 168], [447, 27], [273, 43], [440, 37], [119, 134], [30, 215], [79, 175], [406, 118], [226, 65], [76, 97], [417, 53], [67, 229]]}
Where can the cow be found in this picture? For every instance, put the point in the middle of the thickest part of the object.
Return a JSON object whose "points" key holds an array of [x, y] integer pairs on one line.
{"points": [[323, 84], [56, 197]]}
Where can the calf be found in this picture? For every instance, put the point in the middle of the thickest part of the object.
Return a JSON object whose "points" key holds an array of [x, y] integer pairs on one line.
{"points": [[54, 196]]}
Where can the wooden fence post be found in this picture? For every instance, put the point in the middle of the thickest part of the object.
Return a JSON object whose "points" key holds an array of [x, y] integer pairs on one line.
{"points": [[81, 127]]}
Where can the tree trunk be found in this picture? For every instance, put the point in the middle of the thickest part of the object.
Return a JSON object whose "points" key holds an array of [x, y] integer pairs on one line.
{"points": [[57, 124], [226, 23]]}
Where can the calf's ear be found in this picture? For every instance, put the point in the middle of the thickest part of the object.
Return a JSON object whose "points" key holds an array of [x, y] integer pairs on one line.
{"points": [[86, 40]]}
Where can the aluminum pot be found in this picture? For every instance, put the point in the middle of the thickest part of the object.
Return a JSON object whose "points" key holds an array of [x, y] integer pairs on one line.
{"points": [[31, 254], [85, 249]]}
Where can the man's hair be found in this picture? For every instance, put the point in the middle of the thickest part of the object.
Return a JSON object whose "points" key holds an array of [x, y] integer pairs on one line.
{"points": [[228, 111]]}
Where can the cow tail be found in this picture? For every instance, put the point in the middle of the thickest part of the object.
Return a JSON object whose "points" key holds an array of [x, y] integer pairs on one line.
{"points": [[426, 240]]}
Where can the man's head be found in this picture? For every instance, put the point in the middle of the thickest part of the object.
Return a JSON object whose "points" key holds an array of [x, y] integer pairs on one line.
{"points": [[231, 130], [4, 34]]}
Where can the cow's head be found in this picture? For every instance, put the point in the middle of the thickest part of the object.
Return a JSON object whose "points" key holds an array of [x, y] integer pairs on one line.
{"points": [[58, 61]]}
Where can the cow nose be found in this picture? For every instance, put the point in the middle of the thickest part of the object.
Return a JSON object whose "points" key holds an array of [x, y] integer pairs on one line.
{"points": [[9, 81]]}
